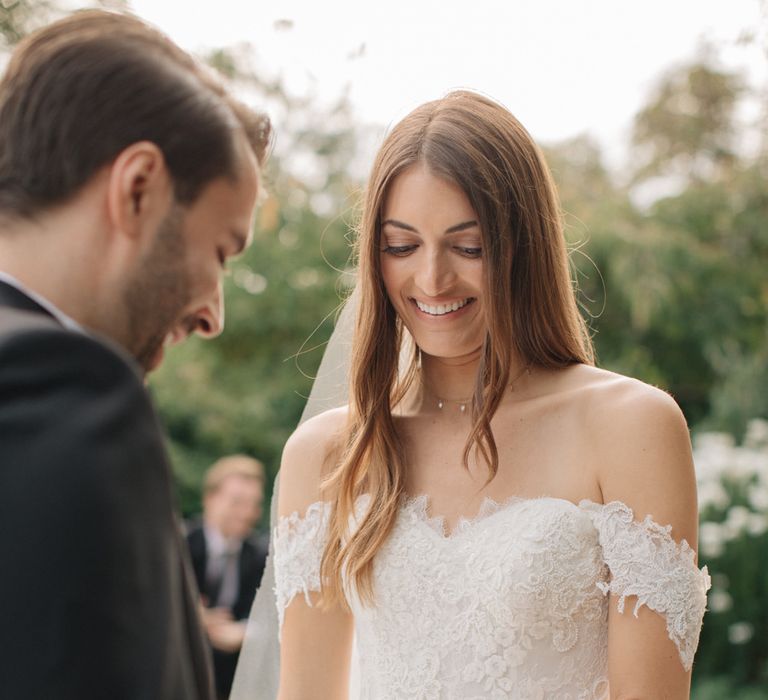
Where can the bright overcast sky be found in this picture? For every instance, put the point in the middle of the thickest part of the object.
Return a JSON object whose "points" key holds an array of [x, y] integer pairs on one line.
{"points": [[562, 66]]}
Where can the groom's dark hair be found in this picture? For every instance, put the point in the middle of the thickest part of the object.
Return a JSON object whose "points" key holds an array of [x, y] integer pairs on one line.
{"points": [[78, 92]]}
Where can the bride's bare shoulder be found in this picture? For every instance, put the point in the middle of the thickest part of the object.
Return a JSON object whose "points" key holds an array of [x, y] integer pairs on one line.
{"points": [[308, 456], [640, 446], [606, 396], [608, 404]]}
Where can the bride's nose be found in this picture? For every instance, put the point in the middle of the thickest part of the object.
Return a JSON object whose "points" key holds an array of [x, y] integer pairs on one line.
{"points": [[435, 273]]}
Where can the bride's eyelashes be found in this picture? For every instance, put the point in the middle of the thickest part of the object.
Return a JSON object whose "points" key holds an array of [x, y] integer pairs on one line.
{"points": [[398, 250], [470, 252], [403, 250]]}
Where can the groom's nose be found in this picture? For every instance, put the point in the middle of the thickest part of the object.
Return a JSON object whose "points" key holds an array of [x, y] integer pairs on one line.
{"points": [[209, 318]]}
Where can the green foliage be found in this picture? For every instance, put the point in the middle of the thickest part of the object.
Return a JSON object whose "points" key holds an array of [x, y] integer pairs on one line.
{"points": [[688, 126], [677, 293], [20, 17], [723, 687]]}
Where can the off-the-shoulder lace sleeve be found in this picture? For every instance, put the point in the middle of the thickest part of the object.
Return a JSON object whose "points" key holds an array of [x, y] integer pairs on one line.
{"points": [[299, 543], [646, 562]]}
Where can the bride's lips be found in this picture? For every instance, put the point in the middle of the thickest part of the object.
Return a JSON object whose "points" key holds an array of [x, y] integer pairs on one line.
{"points": [[442, 311]]}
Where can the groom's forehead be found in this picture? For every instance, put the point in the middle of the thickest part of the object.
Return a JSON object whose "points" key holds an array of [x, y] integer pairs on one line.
{"points": [[224, 210]]}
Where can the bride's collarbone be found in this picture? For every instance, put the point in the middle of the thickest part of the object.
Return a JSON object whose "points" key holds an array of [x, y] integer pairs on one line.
{"points": [[543, 450], [528, 468]]}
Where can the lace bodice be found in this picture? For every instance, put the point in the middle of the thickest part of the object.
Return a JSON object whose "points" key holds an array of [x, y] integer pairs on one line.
{"points": [[511, 604]]}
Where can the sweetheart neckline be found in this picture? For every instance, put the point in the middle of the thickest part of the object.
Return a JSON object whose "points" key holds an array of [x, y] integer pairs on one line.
{"points": [[489, 507]]}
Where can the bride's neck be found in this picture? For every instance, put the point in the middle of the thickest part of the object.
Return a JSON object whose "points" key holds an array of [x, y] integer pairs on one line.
{"points": [[450, 379]]}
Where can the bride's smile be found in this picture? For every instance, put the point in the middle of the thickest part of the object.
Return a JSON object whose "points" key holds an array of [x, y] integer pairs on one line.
{"points": [[438, 308]]}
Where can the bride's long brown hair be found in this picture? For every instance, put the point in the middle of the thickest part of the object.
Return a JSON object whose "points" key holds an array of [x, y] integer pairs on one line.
{"points": [[528, 296]]}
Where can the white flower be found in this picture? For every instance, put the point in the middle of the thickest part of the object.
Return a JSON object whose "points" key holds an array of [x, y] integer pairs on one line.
{"points": [[712, 441], [740, 465], [711, 539], [757, 433], [758, 497], [736, 521], [719, 601], [716, 455], [713, 493], [757, 524], [740, 632]]}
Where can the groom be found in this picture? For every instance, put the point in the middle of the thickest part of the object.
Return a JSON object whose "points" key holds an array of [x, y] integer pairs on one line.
{"points": [[127, 177]]}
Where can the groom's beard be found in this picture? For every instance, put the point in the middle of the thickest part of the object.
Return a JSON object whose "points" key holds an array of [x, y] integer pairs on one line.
{"points": [[156, 296]]}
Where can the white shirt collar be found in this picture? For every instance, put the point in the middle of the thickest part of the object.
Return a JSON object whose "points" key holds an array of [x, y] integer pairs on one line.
{"points": [[50, 307], [218, 545]]}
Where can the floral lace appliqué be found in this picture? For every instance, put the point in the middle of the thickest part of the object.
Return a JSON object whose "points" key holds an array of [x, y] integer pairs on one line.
{"points": [[299, 543], [645, 561]]}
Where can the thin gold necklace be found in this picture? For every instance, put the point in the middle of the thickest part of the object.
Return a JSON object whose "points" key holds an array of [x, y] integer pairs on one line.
{"points": [[462, 403]]}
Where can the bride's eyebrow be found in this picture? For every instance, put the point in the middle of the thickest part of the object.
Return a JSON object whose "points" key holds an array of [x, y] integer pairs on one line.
{"points": [[398, 224], [462, 226], [452, 229]]}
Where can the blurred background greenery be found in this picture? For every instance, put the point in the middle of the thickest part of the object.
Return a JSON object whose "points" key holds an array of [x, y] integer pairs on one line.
{"points": [[670, 256]]}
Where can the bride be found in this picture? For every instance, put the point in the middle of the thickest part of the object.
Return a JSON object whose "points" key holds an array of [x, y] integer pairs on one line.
{"points": [[491, 516]]}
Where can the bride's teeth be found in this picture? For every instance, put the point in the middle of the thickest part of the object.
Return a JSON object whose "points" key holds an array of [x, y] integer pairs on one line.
{"points": [[441, 309]]}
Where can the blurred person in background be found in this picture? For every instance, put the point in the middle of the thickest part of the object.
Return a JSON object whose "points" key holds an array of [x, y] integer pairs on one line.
{"points": [[228, 561], [127, 177]]}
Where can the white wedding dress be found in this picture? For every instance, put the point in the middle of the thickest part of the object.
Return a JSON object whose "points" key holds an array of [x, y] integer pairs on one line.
{"points": [[511, 604]]}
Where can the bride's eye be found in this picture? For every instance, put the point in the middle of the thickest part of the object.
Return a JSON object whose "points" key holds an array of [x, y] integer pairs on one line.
{"points": [[399, 250], [470, 252]]}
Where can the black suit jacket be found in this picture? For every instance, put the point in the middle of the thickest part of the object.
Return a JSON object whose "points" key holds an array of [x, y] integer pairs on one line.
{"points": [[253, 557], [97, 599]]}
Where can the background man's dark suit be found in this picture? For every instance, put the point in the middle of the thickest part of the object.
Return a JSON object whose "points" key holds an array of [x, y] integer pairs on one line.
{"points": [[251, 567], [98, 598]]}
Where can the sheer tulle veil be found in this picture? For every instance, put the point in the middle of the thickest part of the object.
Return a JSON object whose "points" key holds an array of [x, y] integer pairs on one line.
{"points": [[258, 669]]}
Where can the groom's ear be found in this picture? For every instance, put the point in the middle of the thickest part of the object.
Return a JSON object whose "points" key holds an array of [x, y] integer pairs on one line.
{"points": [[139, 191]]}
